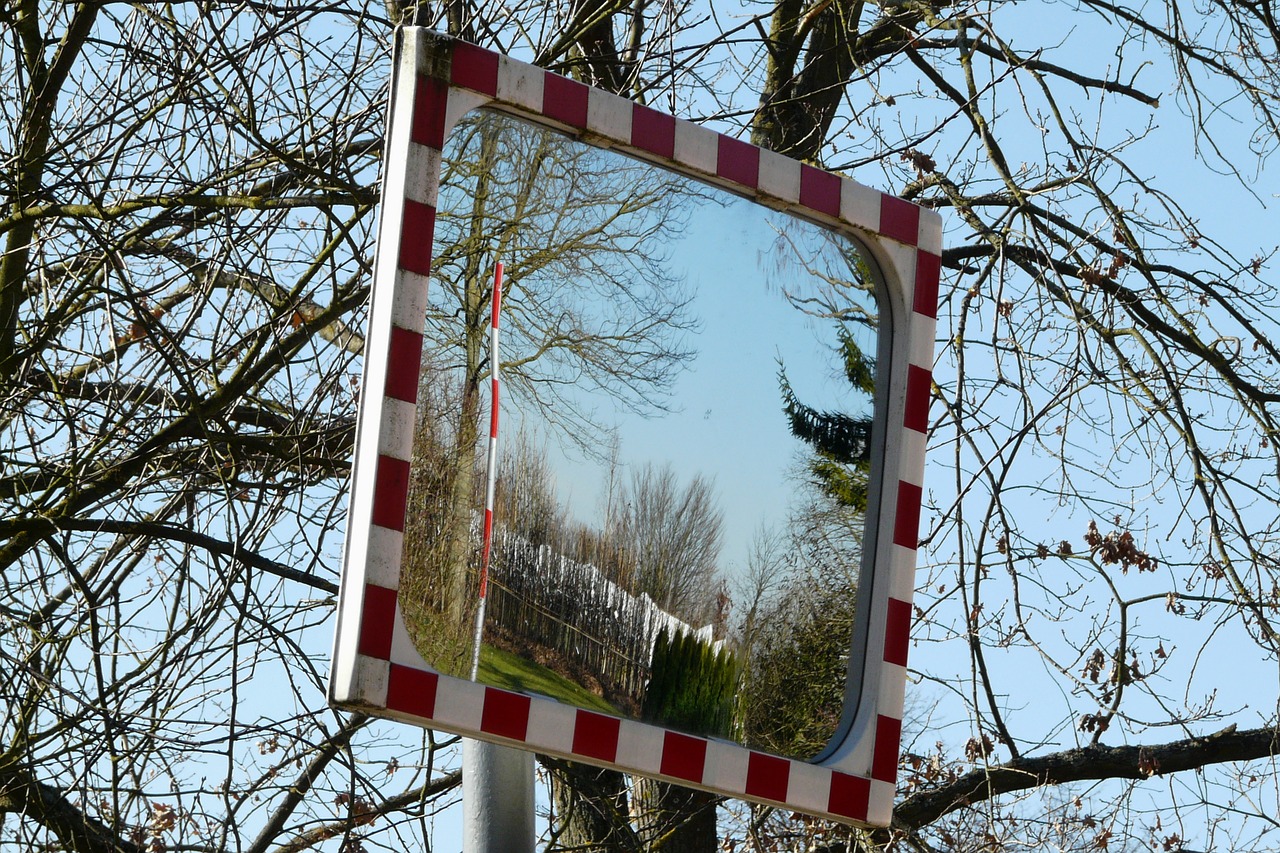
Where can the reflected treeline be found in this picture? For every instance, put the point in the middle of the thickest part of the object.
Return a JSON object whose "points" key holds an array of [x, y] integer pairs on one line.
{"points": [[795, 636], [564, 597]]}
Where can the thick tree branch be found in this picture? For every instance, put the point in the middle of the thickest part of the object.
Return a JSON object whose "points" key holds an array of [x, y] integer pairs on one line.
{"points": [[32, 150], [302, 785], [1082, 765], [47, 526], [22, 794], [387, 807]]}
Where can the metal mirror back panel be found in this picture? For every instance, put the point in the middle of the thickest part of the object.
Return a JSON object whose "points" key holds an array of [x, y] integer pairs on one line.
{"points": [[684, 453]]}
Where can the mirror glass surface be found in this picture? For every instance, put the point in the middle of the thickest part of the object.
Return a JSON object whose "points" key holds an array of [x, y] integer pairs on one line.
{"points": [[687, 384]]}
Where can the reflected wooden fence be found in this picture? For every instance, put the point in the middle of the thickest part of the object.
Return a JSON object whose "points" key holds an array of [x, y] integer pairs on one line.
{"points": [[542, 598]]}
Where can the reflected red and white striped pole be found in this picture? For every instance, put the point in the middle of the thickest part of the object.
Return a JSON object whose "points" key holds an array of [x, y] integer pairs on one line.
{"points": [[491, 473], [498, 803]]}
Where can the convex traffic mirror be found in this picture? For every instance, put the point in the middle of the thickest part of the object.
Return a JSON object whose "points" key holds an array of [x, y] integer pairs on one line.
{"points": [[714, 367]]}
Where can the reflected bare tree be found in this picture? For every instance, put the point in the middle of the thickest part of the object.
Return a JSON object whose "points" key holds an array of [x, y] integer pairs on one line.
{"points": [[670, 536], [589, 302]]}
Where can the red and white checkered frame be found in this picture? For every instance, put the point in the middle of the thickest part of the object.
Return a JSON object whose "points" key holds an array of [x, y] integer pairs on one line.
{"points": [[376, 667]]}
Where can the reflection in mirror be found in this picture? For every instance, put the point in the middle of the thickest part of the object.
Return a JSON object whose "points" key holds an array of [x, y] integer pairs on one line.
{"points": [[688, 384]]}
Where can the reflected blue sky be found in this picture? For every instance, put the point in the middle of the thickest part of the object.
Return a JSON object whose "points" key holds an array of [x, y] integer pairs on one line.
{"points": [[726, 419]]}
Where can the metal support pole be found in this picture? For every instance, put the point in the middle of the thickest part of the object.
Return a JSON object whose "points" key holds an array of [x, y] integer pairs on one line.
{"points": [[497, 798]]}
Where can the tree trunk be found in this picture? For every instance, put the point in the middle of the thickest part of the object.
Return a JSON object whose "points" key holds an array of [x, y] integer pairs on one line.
{"points": [[590, 809], [672, 819]]}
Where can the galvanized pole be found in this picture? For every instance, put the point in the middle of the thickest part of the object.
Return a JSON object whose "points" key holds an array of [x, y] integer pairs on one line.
{"points": [[497, 798]]}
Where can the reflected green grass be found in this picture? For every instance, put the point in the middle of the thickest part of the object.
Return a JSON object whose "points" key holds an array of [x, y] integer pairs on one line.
{"points": [[512, 672]]}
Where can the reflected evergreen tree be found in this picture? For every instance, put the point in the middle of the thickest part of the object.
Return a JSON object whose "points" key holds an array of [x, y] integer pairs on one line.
{"points": [[841, 443]]}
